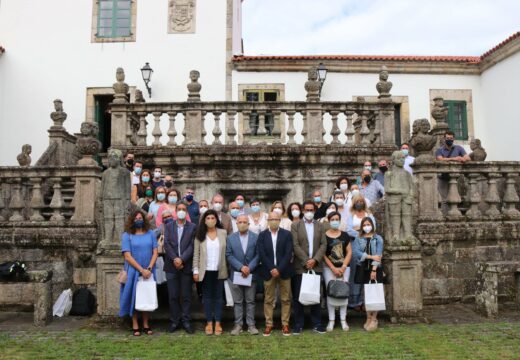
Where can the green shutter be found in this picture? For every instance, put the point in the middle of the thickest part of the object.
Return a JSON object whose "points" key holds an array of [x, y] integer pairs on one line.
{"points": [[114, 18], [457, 118]]}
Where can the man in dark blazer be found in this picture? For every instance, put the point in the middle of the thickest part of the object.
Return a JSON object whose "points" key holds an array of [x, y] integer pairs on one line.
{"points": [[242, 258], [275, 248], [310, 244], [178, 245]]}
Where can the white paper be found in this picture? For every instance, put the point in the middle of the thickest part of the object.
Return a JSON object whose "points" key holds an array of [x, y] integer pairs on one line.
{"points": [[238, 279]]}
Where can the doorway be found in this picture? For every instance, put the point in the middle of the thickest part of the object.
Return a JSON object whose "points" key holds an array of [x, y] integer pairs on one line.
{"points": [[103, 119]]}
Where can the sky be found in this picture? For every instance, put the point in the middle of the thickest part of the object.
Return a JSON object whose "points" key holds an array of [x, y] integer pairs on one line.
{"points": [[377, 27]]}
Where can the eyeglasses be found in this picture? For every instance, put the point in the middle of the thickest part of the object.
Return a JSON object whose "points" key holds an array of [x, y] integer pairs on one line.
{"points": [[273, 219], [167, 217], [190, 193]]}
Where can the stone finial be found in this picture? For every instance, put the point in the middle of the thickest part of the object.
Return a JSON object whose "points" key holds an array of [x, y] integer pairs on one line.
{"points": [[24, 159], [312, 85], [422, 141], [194, 86], [58, 116], [478, 152], [439, 111], [88, 145], [384, 86], [120, 87]]}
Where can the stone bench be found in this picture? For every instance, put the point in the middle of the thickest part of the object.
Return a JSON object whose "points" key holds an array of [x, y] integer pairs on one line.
{"points": [[486, 296], [35, 289]]}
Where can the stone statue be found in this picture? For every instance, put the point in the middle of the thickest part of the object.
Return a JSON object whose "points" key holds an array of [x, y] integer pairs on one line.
{"points": [[478, 152], [422, 141], [120, 87], [24, 159], [194, 86], [312, 85], [399, 193], [439, 111], [87, 144], [139, 98], [58, 116], [384, 86], [115, 194]]}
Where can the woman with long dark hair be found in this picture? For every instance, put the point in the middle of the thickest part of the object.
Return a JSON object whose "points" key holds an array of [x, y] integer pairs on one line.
{"points": [[210, 268], [139, 248]]}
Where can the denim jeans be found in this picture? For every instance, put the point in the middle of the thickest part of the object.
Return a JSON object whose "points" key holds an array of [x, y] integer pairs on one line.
{"points": [[212, 295]]}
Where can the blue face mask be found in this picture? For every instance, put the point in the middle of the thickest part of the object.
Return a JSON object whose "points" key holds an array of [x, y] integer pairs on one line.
{"points": [[189, 197], [168, 220], [138, 170], [405, 152], [317, 199], [334, 224], [139, 224], [146, 179], [255, 208], [161, 196], [171, 199], [235, 212], [240, 203]]}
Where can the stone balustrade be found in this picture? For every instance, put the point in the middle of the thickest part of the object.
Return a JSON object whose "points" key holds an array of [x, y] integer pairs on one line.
{"points": [[50, 193], [355, 123]]}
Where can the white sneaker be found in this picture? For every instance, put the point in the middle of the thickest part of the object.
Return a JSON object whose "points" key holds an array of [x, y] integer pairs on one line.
{"points": [[344, 325], [330, 326]]}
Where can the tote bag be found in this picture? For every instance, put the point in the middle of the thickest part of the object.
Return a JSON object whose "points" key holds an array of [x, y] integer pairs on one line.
{"points": [[63, 304], [374, 297], [146, 294], [310, 289], [159, 271]]}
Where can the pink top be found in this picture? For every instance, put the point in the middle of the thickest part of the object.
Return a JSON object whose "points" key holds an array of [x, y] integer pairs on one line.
{"points": [[158, 219]]}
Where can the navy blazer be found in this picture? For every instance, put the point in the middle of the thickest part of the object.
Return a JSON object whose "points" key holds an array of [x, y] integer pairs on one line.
{"points": [[235, 254], [284, 253], [171, 246]]}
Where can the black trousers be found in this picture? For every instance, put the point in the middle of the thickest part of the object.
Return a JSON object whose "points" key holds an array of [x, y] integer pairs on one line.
{"points": [[298, 312], [179, 290]]}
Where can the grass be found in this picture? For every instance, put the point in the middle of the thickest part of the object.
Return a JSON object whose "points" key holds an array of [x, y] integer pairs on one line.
{"points": [[469, 341]]}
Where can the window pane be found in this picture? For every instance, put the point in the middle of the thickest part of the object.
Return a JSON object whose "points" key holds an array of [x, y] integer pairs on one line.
{"points": [[105, 23], [123, 4], [252, 96], [104, 14], [105, 32], [123, 14], [123, 23], [270, 96], [123, 32], [106, 4]]}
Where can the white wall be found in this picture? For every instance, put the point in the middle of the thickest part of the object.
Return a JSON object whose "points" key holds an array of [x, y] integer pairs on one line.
{"points": [[49, 55], [501, 110]]}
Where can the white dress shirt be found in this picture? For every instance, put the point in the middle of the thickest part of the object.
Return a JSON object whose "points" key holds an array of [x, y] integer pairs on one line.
{"points": [[407, 161], [213, 251], [244, 239], [309, 227], [180, 230], [234, 224], [274, 236]]}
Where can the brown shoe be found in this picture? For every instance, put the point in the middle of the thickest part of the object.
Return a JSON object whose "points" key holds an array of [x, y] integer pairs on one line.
{"points": [[285, 330], [218, 329], [209, 329], [268, 330]]}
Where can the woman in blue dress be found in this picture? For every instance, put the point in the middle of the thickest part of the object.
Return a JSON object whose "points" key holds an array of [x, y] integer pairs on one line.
{"points": [[139, 248]]}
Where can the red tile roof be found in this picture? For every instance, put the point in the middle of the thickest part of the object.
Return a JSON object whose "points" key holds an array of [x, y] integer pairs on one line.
{"points": [[501, 45]]}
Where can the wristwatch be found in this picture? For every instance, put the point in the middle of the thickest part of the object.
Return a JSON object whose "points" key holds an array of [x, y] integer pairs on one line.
{"points": [[149, 268]]}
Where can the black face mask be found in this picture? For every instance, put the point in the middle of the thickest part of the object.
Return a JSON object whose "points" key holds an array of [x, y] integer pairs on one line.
{"points": [[367, 178], [168, 184], [130, 162], [449, 142], [383, 169]]}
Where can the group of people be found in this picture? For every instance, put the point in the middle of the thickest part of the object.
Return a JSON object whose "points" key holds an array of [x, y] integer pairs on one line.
{"points": [[253, 250]]}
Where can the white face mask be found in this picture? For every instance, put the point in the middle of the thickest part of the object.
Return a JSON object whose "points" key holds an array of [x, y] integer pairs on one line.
{"points": [[329, 211], [202, 210], [367, 229], [157, 174], [181, 214], [309, 215], [368, 167], [217, 207], [355, 192], [339, 202], [278, 211], [295, 213], [343, 187]]}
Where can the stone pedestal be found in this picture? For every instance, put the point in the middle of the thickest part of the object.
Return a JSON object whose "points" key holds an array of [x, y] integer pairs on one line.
{"points": [[118, 132], [87, 190], [42, 296], [108, 266], [194, 125], [404, 297], [313, 126]]}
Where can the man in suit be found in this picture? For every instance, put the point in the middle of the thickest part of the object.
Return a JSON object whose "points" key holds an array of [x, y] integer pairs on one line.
{"points": [[218, 204], [310, 244], [178, 245], [275, 249], [242, 257]]}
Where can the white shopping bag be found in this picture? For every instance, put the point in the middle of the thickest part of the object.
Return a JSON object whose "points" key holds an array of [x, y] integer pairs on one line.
{"points": [[63, 304], [374, 297], [310, 289], [146, 294], [229, 294], [159, 271]]}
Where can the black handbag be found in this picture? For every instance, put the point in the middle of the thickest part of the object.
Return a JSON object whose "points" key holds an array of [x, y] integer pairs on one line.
{"points": [[338, 289]]}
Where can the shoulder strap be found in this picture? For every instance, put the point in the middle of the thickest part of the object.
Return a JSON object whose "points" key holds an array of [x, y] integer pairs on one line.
{"points": [[451, 151]]}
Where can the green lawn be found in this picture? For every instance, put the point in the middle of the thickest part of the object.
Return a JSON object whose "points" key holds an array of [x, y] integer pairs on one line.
{"points": [[471, 341]]}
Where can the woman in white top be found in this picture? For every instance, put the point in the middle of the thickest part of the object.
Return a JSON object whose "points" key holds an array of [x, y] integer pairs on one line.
{"points": [[359, 210], [339, 200], [279, 208], [210, 267], [257, 218], [354, 191], [343, 185]]}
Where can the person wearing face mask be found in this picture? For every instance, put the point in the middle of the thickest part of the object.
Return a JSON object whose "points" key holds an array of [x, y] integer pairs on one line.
{"points": [[358, 211], [343, 185], [354, 191], [380, 176], [160, 199], [234, 211], [138, 190], [408, 159], [241, 201], [144, 202], [367, 165], [210, 268], [203, 207], [295, 212], [367, 252], [331, 207], [129, 161], [337, 259], [242, 257], [168, 183], [193, 206], [179, 237], [279, 208], [309, 244], [139, 249], [172, 199], [370, 188], [320, 205], [157, 178], [217, 203], [339, 200], [136, 173], [257, 218]]}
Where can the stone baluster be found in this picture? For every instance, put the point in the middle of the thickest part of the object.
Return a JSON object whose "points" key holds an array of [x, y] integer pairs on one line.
{"points": [[261, 123], [335, 128], [203, 124], [57, 201], [141, 134], [474, 197], [453, 198], [16, 204], [36, 200], [276, 131], [172, 133], [365, 131], [246, 118], [156, 132], [2, 201], [511, 198], [216, 128], [291, 131], [492, 197], [231, 131], [184, 128], [349, 130]]}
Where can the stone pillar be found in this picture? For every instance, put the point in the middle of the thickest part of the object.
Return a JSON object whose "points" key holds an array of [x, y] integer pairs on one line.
{"points": [[42, 296], [386, 122], [119, 125], [486, 295], [86, 193], [313, 125], [108, 266], [427, 191], [193, 125], [404, 265]]}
